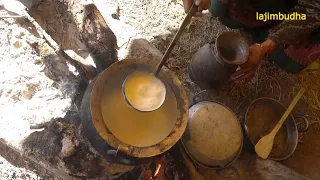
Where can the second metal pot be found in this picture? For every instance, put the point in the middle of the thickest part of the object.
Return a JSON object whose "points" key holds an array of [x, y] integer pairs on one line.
{"points": [[261, 117], [213, 63]]}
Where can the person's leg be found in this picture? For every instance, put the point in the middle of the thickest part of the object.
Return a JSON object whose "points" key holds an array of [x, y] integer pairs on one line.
{"points": [[221, 10], [241, 14], [283, 61], [299, 55]]}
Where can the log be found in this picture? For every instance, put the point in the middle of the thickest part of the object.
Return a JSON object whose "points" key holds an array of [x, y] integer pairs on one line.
{"points": [[99, 38], [248, 166], [270, 170], [87, 71], [95, 33], [79, 25], [17, 159]]}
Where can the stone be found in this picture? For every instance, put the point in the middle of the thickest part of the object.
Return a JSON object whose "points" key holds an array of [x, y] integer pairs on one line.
{"points": [[141, 48]]}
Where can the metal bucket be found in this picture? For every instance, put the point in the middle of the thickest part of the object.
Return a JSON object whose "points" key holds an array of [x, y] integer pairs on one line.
{"points": [[213, 63], [102, 136]]}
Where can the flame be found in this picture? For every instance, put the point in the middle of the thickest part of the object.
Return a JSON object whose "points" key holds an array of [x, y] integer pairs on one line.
{"points": [[158, 167], [157, 170]]}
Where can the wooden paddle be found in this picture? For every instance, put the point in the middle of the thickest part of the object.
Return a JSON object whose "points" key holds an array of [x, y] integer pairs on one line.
{"points": [[264, 145]]}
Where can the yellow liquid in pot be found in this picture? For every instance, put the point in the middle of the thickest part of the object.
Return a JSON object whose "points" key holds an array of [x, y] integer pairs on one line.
{"points": [[141, 129], [144, 91]]}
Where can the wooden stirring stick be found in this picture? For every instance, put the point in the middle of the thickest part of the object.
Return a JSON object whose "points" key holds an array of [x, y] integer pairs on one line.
{"points": [[185, 22], [264, 145]]}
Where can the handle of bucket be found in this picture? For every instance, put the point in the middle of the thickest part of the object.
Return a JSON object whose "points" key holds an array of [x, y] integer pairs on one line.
{"points": [[118, 152], [305, 123], [120, 159], [244, 126], [234, 171], [197, 97]]}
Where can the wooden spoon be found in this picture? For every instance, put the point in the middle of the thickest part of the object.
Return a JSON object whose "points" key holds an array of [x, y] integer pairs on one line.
{"points": [[264, 145]]}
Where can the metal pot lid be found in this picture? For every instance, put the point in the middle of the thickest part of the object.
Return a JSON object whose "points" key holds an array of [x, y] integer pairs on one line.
{"points": [[137, 128], [213, 136]]}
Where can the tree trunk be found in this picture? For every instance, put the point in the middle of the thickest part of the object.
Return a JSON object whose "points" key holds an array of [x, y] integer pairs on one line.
{"points": [[95, 33], [247, 166], [78, 24]]}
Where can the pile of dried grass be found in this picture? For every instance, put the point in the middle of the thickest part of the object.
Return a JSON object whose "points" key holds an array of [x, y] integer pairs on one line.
{"points": [[311, 81]]}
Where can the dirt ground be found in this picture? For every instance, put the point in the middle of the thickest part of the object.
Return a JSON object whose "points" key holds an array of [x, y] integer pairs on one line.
{"points": [[157, 21]]}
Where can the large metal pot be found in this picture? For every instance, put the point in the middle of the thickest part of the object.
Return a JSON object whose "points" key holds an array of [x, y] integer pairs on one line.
{"points": [[261, 117], [213, 63], [213, 138], [101, 136]]}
